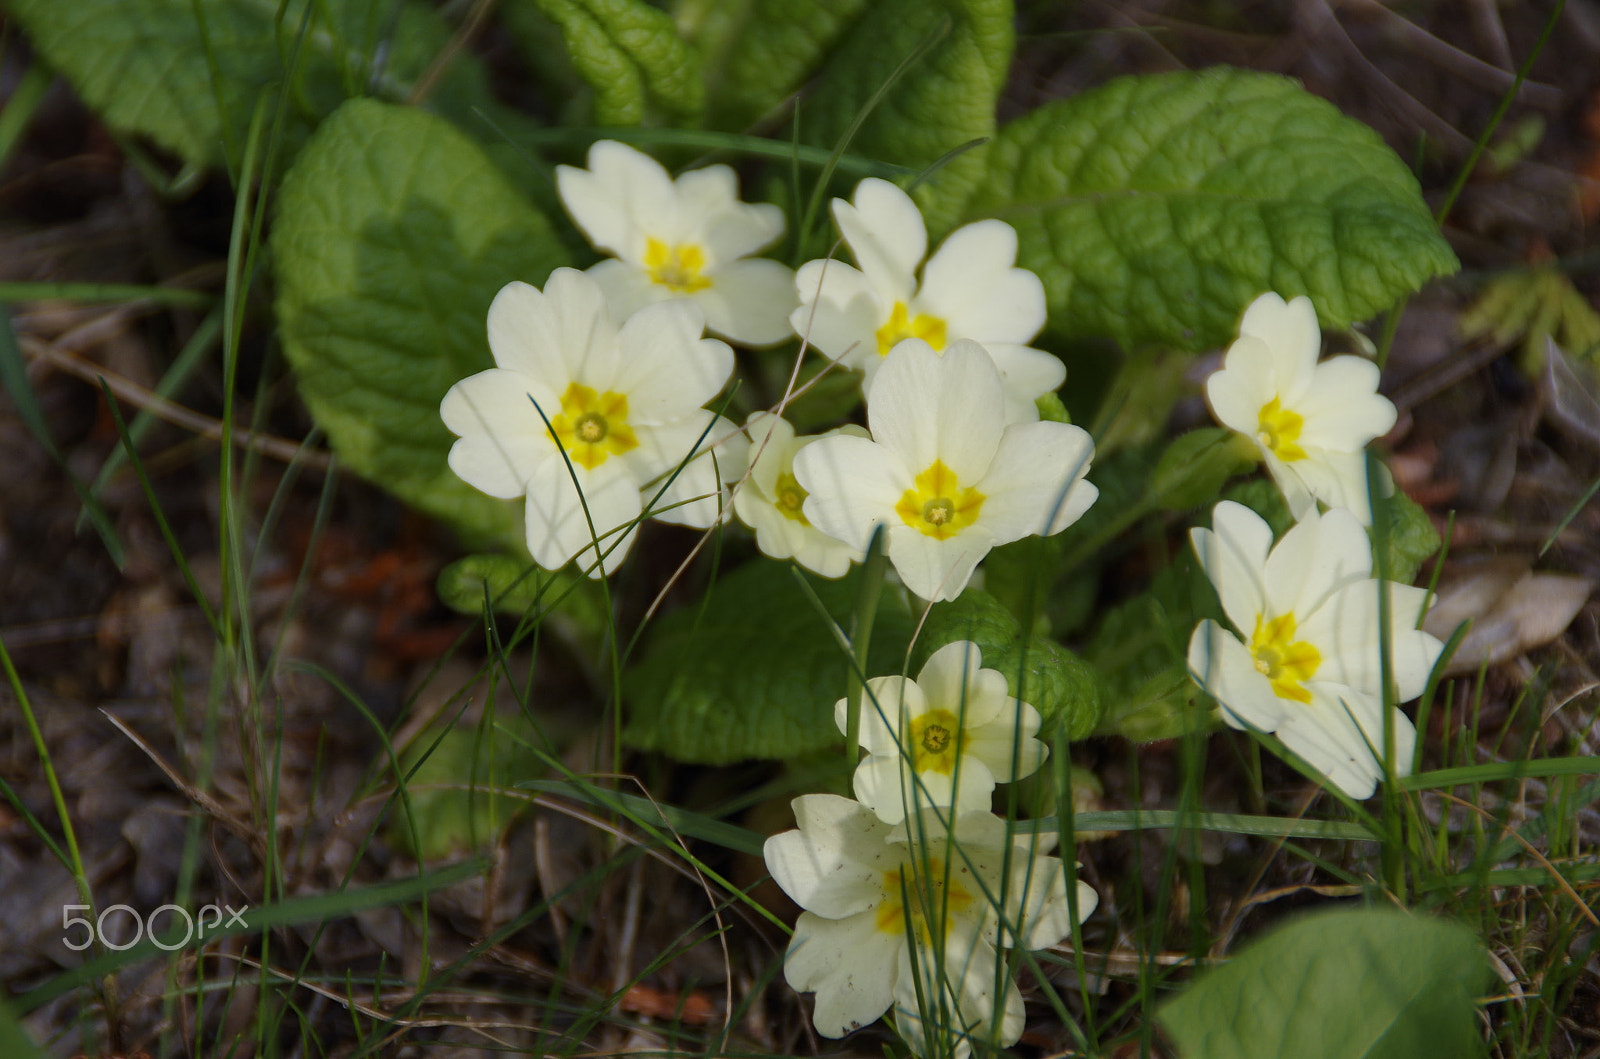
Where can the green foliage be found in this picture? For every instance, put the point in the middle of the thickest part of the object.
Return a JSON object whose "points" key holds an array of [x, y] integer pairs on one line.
{"points": [[755, 671], [394, 232], [1348, 984], [761, 51], [1051, 410], [188, 73], [14, 1041], [1039, 671], [1194, 467], [628, 52], [518, 587], [452, 792], [1139, 650], [1156, 207], [1411, 538]]}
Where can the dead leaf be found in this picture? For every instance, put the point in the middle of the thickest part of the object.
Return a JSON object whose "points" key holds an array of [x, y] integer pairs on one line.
{"points": [[1512, 610]]}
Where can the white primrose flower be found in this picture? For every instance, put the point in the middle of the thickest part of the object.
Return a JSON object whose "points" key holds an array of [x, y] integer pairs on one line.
{"points": [[686, 238], [1311, 421], [944, 472], [770, 501], [1306, 662], [970, 288], [943, 739], [625, 404], [886, 906]]}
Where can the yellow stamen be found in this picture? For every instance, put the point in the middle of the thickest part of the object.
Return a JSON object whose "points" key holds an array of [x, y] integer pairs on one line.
{"points": [[901, 326], [678, 267], [790, 497], [927, 891], [935, 740], [593, 426], [1279, 430], [1283, 660], [937, 505]]}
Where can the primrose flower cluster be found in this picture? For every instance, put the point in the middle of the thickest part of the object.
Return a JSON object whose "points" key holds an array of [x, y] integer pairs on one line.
{"points": [[1305, 658], [595, 412], [910, 890]]}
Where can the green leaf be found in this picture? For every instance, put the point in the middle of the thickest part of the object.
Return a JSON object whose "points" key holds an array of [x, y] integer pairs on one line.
{"points": [[764, 50], [628, 52], [754, 672], [1192, 470], [1156, 207], [394, 232], [454, 792], [188, 73], [520, 588], [1039, 671], [1411, 538], [1347, 984]]}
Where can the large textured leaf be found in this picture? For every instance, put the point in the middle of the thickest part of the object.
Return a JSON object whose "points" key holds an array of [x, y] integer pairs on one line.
{"points": [[1156, 207], [756, 673], [188, 73], [394, 231], [628, 52], [1349, 984], [766, 49]]}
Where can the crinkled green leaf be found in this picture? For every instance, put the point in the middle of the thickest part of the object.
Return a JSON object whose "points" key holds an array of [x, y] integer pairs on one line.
{"points": [[188, 73], [518, 587], [393, 234], [628, 52], [760, 51], [1156, 207], [1348, 984], [754, 672], [1039, 671], [1410, 537]]}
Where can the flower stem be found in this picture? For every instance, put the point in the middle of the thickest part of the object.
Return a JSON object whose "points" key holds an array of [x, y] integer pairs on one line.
{"points": [[867, 593]]}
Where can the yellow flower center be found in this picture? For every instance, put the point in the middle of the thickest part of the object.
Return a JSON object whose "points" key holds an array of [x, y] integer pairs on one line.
{"points": [[935, 740], [902, 326], [1283, 660], [1279, 430], [937, 504], [928, 893], [790, 498], [591, 426], [678, 267]]}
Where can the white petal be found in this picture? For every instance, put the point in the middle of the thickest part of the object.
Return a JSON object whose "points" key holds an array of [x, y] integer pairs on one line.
{"points": [[885, 232], [1000, 744], [853, 485], [1317, 555], [1343, 409], [881, 784], [1222, 665], [627, 287], [851, 966], [749, 302], [772, 448], [933, 569], [833, 864], [558, 529], [1345, 630], [663, 365], [1234, 557], [690, 493], [1327, 734], [962, 998], [714, 217], [621, 196], [1035, 483], [1026, 374], [839, 313], [1338, 479], [582, 333], [1245, 383], [971, 284], [889, 704], [1291, 333], [925, 406], [954, 679], [503, 440]]}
